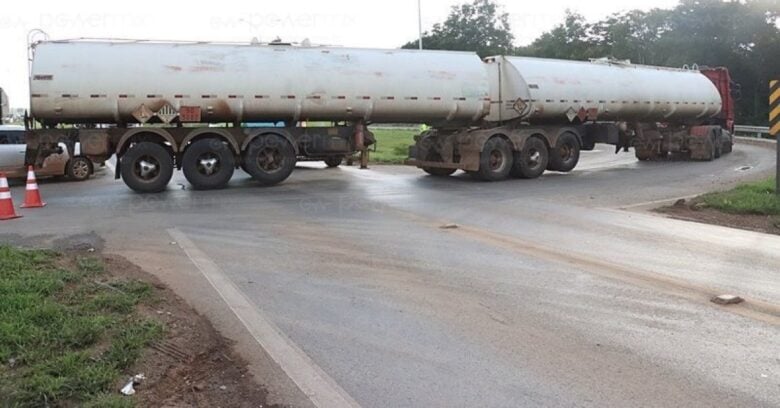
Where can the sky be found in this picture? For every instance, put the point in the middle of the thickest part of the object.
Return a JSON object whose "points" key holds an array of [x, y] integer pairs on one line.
{"points": [[349, 23]]}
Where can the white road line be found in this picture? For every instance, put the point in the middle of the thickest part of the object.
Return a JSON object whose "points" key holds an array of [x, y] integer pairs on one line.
{"points": [[322, 390], [657, 202]]}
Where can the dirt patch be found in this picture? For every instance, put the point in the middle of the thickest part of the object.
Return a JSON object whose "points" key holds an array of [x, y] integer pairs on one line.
{"points": [[696, 210], [193, 366]]}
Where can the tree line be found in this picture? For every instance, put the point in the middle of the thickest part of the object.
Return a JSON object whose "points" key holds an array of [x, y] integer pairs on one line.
{"points": [[740, 35]]}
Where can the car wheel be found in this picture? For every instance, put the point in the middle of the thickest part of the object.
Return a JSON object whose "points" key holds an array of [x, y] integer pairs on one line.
{"points": [[79, 168]]}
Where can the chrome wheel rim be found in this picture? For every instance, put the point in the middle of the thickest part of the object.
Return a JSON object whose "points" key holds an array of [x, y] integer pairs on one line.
{"points": [[208, 164]]}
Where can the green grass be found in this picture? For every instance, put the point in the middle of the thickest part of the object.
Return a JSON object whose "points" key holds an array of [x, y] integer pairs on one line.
{"points": [[753, 198], [70, 332], [392, 145]]}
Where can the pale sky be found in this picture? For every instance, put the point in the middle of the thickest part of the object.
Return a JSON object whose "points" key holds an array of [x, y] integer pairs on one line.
{"points": [[349, 23]]}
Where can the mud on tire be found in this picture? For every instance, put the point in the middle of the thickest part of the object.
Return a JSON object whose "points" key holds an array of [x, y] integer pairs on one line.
{"points": [[532, 161], [495, 160]]}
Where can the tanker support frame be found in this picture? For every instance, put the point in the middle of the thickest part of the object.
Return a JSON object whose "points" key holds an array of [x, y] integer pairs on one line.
{"points": [[208, 156], [526, 151]]}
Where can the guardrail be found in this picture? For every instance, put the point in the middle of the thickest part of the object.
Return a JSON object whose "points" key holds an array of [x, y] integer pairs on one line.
{"points": [[761, 132]]}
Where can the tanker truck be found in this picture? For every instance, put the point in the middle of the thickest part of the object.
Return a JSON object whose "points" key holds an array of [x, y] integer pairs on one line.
{"points": [[209, 108], [543, 112]]}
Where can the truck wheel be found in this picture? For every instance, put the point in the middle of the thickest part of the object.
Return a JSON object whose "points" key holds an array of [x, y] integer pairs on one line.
{"points": [[147, 167], [495, 161], [438, 172], [566, 154], [208, 164], [434, 156], [79, 168], [718, 146], [532, 160], [728, 147], [270, 159], [333, 161], [643, 154]]}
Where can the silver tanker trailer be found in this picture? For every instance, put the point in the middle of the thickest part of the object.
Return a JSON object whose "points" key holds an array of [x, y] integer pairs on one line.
{"points": [[207, 108], [543, 112]]}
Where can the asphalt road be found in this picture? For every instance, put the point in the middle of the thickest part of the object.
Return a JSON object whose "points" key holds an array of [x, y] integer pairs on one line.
{"points": [[551, 292]]}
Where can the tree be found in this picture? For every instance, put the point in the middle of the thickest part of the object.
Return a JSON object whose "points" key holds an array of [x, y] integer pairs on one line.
{"points": [[479, 26]]}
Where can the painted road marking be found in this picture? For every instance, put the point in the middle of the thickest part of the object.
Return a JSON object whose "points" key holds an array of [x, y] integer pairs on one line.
{"points": [[322, 390]]}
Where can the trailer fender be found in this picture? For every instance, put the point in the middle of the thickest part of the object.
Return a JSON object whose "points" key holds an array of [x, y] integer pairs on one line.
{"points": [[253, 134], [160, 133], [220, 133]]}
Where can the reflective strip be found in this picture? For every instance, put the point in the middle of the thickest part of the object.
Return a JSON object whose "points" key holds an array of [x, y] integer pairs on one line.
{"points": [[3, 182], [774, 97], [775, 113], [775, 130], [5, 195], [31, 186]]}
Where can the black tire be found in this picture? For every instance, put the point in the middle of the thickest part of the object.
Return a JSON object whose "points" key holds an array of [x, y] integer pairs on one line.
{"points": [[643, 154], [79, 168], [495, 160], [439, 172], [718, 146], [140, 176], [532, 161], [270, 159], [434, 156], [208, 164], [566, 154], [333, 161]]}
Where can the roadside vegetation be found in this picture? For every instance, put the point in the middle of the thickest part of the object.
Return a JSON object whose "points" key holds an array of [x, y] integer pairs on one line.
{"points": [[392, 145], [757, 198], [68, 331]]}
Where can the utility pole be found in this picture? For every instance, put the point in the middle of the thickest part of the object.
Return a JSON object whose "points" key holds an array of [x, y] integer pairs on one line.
{"points": [[774, 125], [419, 20]]}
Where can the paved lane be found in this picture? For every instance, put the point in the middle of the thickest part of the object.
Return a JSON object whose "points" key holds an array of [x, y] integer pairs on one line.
{"points": [[546, 295]]}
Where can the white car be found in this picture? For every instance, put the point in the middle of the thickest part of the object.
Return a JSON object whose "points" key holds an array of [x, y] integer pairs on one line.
{"points": [[12, 153]]}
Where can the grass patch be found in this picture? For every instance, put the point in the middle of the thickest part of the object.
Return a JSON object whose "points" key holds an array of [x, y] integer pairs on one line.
{"points": [[753, 198], [66, 334], [392, 145]]}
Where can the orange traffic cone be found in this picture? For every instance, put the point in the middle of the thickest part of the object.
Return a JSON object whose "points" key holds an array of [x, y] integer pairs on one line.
{"points": [[6, 203], [32, 196]]}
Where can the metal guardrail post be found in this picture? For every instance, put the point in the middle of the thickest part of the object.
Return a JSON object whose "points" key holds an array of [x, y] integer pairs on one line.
{"points": [[774, 124]]}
